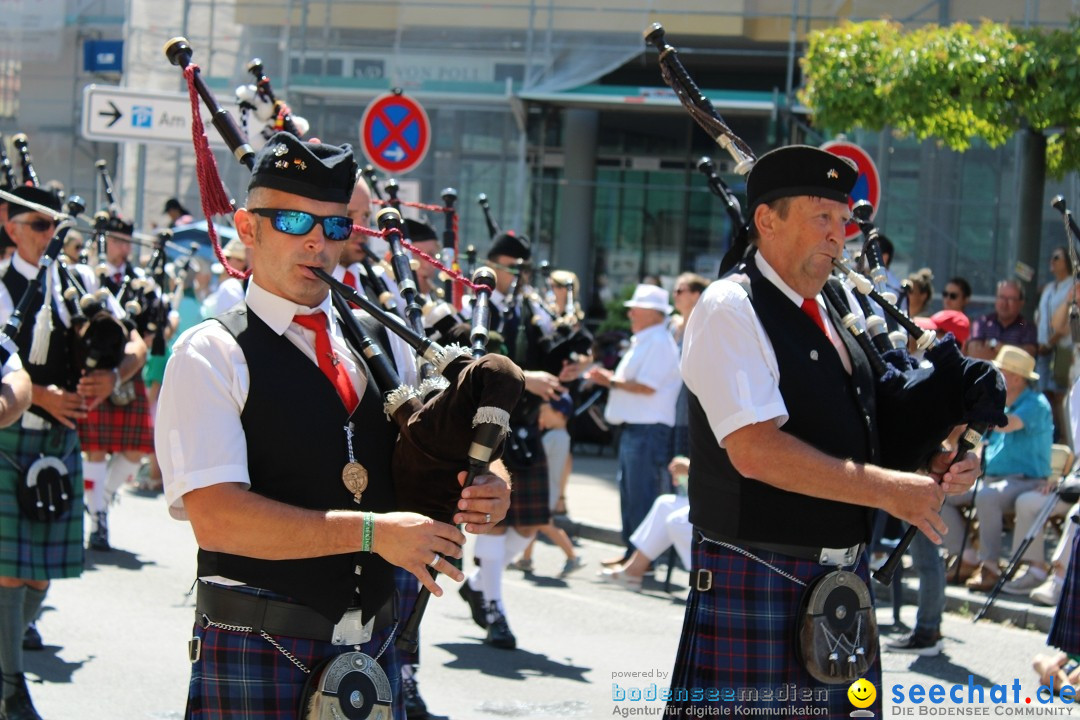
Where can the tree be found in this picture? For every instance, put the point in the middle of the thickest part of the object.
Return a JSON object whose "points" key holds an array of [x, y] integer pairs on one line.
{"points": [[952, 83]]}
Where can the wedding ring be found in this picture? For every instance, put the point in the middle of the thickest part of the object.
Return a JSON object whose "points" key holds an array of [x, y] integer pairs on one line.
{"points": [[435, 560], [487, 518]]}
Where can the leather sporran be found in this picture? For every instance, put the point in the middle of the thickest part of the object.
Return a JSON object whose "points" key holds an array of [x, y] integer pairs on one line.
{"points": [[351, 686], [837, 636], [44, 491]]}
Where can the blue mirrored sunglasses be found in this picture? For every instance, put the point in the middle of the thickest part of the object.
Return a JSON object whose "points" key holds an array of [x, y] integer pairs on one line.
{"points": [[298, 222]]}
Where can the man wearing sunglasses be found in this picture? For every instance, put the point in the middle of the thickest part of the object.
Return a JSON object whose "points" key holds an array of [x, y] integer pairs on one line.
{"points": [[36, 552], [260, 411]]}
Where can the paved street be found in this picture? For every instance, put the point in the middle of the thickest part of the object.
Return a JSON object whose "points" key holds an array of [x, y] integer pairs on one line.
{"points": [[116, 638]]}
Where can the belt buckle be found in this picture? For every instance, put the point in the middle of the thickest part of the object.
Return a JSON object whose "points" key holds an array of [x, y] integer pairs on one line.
{"points": [[703, 580], [351, 629], [838, 556]]}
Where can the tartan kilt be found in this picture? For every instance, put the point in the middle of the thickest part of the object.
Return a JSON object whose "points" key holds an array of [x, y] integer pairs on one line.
{"points": [[241, 676], [741, 634], [111, 428], [1065, 630], [529, 504], [33, 550]]}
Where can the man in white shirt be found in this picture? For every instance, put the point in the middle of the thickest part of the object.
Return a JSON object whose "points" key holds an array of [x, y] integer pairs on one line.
{"points": [[644, 389], [274, 444]]}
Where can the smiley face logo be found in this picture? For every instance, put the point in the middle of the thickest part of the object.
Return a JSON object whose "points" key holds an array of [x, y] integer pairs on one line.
{"points": [[862, 693]]}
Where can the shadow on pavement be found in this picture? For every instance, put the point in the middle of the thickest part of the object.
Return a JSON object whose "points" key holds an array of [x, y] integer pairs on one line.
{"points": [[48, 666], [511, 664], [121, 559]]}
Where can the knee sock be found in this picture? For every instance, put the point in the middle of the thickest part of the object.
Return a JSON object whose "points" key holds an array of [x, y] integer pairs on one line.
{"points": [[516, 542], [491, 549], [120, 469], [32, 604], [12, 628], [94, 482]]}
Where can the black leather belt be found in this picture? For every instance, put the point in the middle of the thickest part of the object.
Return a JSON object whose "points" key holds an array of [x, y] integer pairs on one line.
{"points": [[825, 556], [223, 606]]}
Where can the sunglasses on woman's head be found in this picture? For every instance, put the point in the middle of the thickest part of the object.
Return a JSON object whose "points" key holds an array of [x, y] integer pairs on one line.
{"points": [[39, 225], [298, 222]]}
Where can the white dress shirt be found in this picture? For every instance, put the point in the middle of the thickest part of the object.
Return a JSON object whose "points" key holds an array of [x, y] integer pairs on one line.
{"points": [[728, 360], [198, 434], [652, 360]]}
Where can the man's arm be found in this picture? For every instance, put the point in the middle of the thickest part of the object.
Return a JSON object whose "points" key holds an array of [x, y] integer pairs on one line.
{"points": [[16, 393], [763, 452]]}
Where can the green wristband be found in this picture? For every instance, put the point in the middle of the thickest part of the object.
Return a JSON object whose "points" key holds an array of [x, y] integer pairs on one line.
{"points": [[369, 532]]}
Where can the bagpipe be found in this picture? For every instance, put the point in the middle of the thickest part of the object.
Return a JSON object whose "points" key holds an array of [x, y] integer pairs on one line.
{"points": [[458, 428], [98, 338], [959, 389], [259, 101]]}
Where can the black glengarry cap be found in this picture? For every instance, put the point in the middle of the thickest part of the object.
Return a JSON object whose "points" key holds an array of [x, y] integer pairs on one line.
{"points": [[318, 171], [800, 170]]}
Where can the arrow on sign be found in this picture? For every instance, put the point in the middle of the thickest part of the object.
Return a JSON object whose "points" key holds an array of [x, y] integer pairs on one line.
{"points": [[115, 114], [395, 153]]}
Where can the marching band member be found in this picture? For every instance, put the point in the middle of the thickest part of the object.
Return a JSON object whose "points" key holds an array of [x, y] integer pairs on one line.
{"points": [[260, 411]]}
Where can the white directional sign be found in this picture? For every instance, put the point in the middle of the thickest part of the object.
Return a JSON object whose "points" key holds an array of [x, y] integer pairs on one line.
{"points": [[117, 114]]}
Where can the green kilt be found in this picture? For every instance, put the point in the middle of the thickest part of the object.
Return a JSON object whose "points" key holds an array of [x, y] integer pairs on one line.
{"points": [[32, 550]]}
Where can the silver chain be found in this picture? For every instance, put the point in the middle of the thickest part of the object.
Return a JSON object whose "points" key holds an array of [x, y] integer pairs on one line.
{"points": [[752, 556], [265, 636], [348, 440]]}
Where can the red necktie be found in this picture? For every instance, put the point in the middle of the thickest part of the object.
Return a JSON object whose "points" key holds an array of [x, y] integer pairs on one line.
{"points": [[810, 307], [328, 360], [350, 280], [117, 277]]}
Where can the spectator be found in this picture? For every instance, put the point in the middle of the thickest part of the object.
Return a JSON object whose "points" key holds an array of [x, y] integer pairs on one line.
{"points": [[1017, 459], [892, 283], [644, 388], [1055, 347], [1005, 326], [920, 291], [956, 295], [178, 214], [688, 289], [666, 525]]}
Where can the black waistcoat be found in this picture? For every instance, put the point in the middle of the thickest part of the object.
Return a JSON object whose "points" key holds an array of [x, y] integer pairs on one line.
{"points": [[293, 421], [109, 281], [58, 368], [828, 409]]}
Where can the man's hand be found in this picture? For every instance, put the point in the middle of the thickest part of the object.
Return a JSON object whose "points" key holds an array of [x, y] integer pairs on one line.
{"points": [[916, 499], [543, 384], [955, 477], [599, 376], [410, 541], [67, 407], [483, 504], [95, 386]]}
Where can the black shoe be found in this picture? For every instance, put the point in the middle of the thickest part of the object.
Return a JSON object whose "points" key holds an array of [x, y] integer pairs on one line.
{"points": [[476, 603], [32, 638], [415, 709], [99, 538], [18, 706], [498, 632], [916, 643]]}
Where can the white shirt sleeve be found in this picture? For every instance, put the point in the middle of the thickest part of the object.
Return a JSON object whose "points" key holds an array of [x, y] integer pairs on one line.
{"points": [[729, 363], [198, 434]]}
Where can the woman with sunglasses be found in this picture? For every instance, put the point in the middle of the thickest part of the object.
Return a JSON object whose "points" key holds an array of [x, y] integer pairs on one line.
{"points": [[956, 295], [920, 291]]}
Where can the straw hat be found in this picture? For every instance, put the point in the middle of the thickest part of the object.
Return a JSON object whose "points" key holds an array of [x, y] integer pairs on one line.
{"points": [[1016, 360]]}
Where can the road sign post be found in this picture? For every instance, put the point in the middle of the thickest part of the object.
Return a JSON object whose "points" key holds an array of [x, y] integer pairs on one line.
{"points": [[395, 133], [867, 187]]}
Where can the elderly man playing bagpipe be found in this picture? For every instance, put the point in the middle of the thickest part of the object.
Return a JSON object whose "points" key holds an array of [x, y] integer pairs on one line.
{"points": [[794, 442], [260, 412]]}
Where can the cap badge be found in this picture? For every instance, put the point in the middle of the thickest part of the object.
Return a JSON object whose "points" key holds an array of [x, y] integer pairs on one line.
{"points": [[280, 149], [299, 164], [832, 174], [281, 164]]}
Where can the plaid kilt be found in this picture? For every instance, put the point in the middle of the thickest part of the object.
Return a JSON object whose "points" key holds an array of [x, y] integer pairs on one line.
{"points": [[29, 549], [1065, 630], [741, 634], [408, 587], [111, 428], [241, 676], [529, 504]]}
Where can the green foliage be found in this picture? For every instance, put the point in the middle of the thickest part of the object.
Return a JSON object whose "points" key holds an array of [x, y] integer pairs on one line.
{"points": [[955, 83], [616, 313]]}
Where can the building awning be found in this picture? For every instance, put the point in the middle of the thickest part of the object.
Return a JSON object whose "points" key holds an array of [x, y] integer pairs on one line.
{"points": [[606, 97]]}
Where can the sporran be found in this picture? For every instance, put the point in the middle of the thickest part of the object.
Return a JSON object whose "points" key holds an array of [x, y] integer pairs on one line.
{"points": [[837, 636]]}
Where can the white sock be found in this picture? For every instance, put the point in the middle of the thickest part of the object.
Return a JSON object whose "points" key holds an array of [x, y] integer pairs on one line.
{"points": [[94, 482], [120, 469], [516, 542], [491, 549]]}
